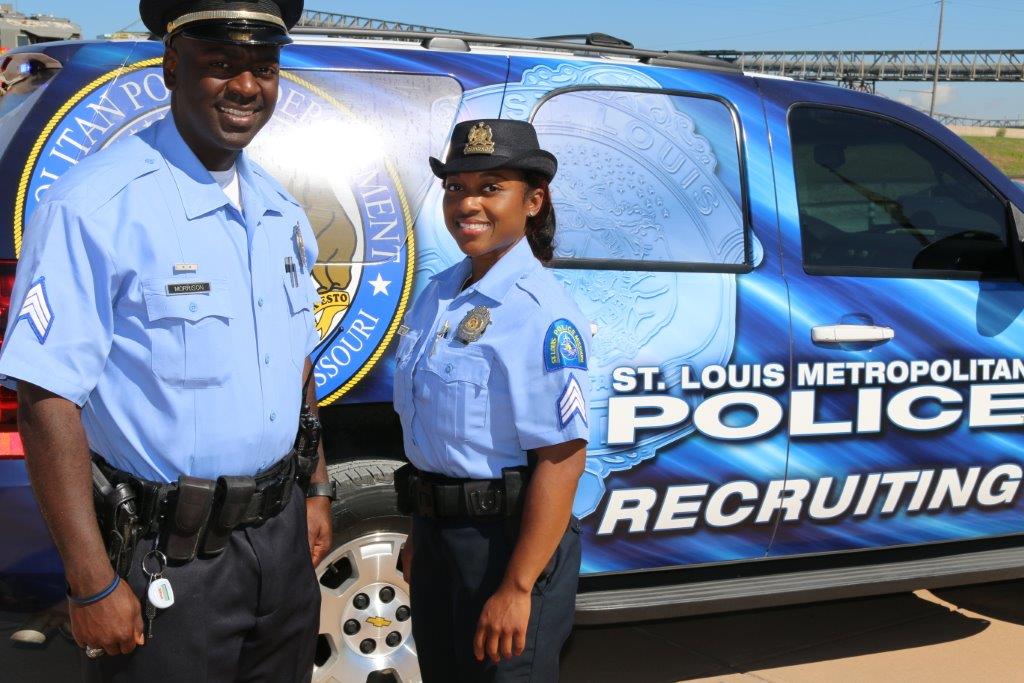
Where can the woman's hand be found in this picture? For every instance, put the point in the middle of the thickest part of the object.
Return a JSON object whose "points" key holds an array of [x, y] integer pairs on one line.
{"points": [[501, 630]]}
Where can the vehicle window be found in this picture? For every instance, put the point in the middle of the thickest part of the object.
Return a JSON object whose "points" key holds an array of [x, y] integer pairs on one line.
{"points": [[646, 180], [349, 146], [875, 196]]}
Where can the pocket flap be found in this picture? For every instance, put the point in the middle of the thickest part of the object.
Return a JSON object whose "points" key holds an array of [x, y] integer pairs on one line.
{"points": [[186, 299], [462, 365], [302, 297]]}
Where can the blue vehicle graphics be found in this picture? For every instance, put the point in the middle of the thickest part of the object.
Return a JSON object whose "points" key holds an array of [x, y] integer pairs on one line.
{"points": [[374, 254], [720, 431]]}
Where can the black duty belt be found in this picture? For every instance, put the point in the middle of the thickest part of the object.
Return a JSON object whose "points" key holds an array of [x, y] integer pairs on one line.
{"points": [[435, 495], [195, 516]]}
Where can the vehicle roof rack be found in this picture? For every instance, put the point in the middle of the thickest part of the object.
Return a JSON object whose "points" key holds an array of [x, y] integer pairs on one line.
{"points": [[597, 47], [593, 39]]}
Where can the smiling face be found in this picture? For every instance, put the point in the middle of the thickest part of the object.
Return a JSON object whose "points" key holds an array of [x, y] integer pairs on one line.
{"points": [[223, 95], [486, 213]]}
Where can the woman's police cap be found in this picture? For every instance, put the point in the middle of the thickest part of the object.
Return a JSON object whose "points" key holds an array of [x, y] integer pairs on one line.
{"points": [[487, 144], [241, 22]]}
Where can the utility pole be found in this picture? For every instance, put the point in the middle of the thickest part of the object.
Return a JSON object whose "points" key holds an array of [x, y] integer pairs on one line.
{"points": [[938, 57]]}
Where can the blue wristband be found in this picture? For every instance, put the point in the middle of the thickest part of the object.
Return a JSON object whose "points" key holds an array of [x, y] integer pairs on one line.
{"points": [[92, 599]]}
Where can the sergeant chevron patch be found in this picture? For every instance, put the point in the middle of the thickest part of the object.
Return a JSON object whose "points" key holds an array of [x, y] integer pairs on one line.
{"points": [[571, 403], [36, 310]]}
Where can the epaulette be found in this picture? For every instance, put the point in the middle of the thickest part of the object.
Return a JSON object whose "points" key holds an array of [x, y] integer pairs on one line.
{"points": [[272, 182], [100, 177]]}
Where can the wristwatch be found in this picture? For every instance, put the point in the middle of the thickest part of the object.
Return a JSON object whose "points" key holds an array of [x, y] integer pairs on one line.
{"points": [[327, 489]]}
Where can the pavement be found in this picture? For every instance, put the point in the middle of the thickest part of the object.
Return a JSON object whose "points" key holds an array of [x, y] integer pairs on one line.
{"points": [[972, 633]]}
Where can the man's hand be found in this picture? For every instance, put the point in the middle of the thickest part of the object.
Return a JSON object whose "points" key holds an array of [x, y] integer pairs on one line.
{"points": [[114, 623], [501, 630], [318, 527]]}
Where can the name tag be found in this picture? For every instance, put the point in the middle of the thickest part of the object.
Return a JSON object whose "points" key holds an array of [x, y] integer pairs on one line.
{"points": [[188, 288]]}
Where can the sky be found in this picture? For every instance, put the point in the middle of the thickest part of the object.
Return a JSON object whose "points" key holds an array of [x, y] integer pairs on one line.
{"points": [[696, 25]]}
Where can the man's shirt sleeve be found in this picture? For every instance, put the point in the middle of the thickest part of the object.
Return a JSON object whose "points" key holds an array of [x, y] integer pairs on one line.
{"points": [[60, 322]]}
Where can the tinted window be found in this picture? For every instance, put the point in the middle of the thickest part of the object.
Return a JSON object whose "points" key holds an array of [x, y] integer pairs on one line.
{"points": [[645, 179], [876, 195]]}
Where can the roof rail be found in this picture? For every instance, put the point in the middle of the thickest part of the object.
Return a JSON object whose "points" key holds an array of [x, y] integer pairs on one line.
{"points": [[592, 39], [595, 48]]}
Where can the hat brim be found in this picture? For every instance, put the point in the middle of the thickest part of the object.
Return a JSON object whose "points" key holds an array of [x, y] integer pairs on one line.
{"points": [[538, 160], [236, 33]]}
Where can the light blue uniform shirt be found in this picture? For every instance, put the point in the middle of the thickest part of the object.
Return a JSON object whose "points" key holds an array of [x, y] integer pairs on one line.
{"points": [[144, 297], [471, 409]]}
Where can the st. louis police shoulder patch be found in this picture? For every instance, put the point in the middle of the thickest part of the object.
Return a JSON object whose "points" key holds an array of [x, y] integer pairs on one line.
{"points": [[36, 310], [571, 403], [563, 347]]}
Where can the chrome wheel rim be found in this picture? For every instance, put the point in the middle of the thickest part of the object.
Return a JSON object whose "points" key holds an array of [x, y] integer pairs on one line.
{"points": [[363, 626]]}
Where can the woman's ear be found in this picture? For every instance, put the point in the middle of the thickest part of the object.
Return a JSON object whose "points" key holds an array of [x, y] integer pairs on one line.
{"points": [[535, 200]]}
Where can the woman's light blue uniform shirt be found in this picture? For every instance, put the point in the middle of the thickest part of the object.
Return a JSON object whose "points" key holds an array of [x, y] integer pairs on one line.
{"points": [[468, 410], [146, 298]]}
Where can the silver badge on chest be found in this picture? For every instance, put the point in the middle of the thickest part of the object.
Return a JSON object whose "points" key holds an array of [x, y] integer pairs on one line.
{"points": [[473, 325]]}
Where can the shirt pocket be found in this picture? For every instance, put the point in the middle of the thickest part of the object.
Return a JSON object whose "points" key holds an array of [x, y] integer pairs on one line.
{"points": [[190, 332], [301, 301], [458, 389]]}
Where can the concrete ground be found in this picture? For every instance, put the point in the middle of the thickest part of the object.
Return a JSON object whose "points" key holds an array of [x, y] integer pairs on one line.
{"points": [[973, 633]]}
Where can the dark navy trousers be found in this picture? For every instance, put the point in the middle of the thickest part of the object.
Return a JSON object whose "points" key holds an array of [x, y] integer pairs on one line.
{"points": [[457, 566], [250, 614]]}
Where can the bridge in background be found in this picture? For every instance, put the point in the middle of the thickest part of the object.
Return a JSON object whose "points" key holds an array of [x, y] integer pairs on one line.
{"points": [[870, 66]]}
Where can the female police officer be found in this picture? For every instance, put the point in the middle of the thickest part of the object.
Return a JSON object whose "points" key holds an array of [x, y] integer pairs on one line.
{"points": [[491, 386]]}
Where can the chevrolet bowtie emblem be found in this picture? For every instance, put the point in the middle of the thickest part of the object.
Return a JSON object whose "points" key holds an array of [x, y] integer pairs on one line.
{"points": [[379, 622]]}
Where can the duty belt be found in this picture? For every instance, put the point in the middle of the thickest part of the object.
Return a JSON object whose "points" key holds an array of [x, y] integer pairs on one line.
{"points": [[435, 495], [195, 516]]}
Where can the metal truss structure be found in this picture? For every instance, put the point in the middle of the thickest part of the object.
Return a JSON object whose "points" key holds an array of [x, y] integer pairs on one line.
{"points": [[951, 120], [332, 20], [870, 66]]}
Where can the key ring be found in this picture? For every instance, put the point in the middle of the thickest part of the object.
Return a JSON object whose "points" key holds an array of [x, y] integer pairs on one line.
{"points": [[161, 560]]}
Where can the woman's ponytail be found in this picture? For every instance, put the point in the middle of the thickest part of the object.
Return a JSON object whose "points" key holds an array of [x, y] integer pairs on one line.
{"points": [[540, 230]]}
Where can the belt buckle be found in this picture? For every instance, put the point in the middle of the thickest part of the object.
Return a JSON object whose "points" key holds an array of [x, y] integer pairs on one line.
{"points": [[483, 499]]}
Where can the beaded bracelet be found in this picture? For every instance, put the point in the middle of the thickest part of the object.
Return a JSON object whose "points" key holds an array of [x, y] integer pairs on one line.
{"points": [[92, 599]]}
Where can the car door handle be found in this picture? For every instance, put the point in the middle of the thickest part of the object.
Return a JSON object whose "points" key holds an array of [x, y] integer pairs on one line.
{"points": [[844, 334]]}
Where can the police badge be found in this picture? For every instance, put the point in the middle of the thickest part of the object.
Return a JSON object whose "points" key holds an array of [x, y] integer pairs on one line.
{"points": [[481, 140], [473, 325]]}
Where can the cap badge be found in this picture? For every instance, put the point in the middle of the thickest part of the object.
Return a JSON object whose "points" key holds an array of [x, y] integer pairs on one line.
{"points": [[481, 140], [473, 325]]}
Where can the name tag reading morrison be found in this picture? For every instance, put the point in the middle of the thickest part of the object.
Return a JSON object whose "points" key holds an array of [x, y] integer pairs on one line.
{"points": [[188, 288]]}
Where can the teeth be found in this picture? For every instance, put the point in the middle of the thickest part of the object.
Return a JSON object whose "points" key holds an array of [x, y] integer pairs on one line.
{"points": [[474, 227], [236, 112]]}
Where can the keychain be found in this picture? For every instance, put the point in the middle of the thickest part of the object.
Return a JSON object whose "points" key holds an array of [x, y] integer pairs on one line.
{"points": [[159, 594]]}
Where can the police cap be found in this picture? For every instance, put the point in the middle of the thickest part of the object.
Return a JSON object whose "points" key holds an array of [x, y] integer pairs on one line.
{"points": [[242, 22], [487, 144]]}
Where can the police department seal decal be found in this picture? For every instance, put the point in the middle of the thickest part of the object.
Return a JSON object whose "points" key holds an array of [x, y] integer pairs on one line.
{"points": [[355, 201], [563, 347]]}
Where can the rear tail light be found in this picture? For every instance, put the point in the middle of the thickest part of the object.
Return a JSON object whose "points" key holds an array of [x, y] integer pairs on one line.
{"points": [[10, 441]]}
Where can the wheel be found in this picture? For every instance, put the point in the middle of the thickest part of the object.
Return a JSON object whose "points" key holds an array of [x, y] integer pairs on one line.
{"points": [[365, 619]]}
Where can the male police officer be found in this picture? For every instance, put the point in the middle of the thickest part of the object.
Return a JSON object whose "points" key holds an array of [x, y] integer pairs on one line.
{"points": [[164, 320]]}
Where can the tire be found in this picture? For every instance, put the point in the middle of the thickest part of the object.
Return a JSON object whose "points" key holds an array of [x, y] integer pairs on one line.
{"points": [[364, 632]]}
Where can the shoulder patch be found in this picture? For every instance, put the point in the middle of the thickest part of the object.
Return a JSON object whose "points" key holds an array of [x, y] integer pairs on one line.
{"points": [[563, 347], [36, 310]]}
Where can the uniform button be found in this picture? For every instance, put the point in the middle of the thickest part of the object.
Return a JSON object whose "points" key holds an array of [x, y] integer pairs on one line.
{"points": [[193, 307], [448, 369], [260, 302], [266, 359], [273, 416]]}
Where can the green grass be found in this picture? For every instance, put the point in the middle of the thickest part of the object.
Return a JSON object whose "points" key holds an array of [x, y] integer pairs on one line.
{"points": [[1006, 153]]}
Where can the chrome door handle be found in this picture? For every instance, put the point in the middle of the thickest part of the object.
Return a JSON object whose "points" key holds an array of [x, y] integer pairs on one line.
{"points": [[852, 334]]}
